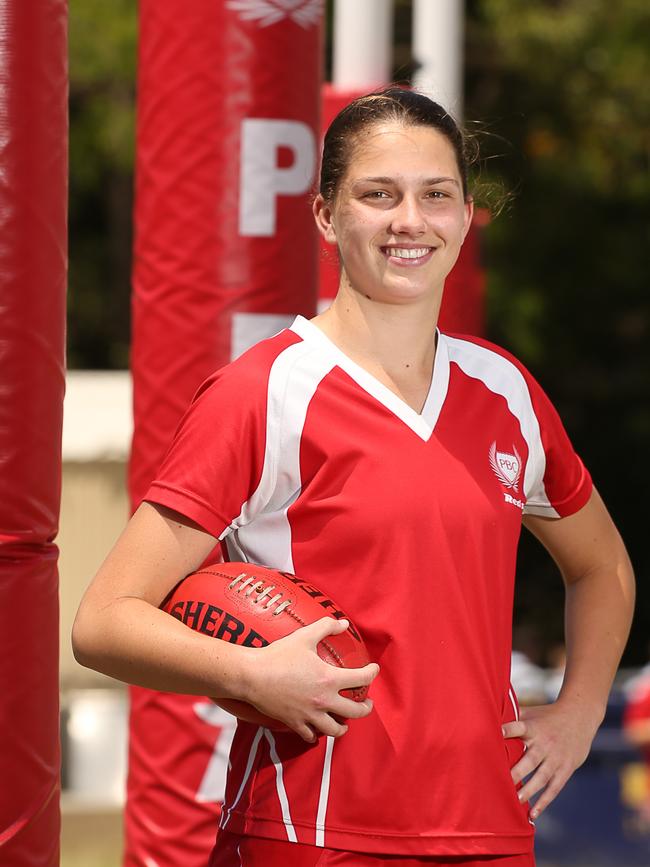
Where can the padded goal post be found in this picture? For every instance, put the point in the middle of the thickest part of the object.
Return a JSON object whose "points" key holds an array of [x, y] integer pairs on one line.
{"points": [[225, 255], [33, 263]]}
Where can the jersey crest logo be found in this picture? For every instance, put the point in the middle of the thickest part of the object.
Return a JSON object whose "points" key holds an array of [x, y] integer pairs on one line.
{"points": [[506, 466], [267, 12]]}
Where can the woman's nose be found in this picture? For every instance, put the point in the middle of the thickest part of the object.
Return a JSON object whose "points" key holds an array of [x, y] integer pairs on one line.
{"points": [[407, 217]]}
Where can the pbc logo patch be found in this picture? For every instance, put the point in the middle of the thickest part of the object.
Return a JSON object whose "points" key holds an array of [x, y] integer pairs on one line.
{"points": [[506, 466]]}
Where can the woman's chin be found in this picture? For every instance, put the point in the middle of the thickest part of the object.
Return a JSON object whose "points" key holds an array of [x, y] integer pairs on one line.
{"points": [[404, 293]]}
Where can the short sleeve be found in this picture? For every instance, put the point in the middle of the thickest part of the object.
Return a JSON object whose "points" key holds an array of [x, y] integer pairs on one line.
{"points": [[561, 484], [214, 464]]}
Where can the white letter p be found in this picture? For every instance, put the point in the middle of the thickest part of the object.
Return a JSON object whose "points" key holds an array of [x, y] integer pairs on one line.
{"points": [[262, 180]]}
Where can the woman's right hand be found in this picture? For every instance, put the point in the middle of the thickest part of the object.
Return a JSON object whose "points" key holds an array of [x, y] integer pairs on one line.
{"points": [[288, 681]]}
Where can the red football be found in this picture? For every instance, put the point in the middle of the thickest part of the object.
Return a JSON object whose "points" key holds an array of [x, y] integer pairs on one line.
{"points": [[254, 605]]}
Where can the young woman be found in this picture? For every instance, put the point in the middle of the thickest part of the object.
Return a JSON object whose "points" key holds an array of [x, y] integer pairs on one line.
{"points": [[392, 466]]}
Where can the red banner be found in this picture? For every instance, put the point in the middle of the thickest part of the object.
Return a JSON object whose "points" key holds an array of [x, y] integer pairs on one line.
{"points": [[225, 255]]}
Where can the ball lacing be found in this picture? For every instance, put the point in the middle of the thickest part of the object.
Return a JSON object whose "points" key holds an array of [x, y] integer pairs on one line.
{"points": [[249, 586]]}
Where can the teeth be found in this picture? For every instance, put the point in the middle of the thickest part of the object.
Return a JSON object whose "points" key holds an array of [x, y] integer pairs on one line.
{"points": [[404, 253]]}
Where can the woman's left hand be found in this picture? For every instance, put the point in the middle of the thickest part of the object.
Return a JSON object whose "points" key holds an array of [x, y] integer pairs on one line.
{"points": [[557, 738]]}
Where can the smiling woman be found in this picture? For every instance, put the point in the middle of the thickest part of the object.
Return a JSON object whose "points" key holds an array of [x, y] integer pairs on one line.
{"points": [[391, 213], [394, 198], [392, 466]]}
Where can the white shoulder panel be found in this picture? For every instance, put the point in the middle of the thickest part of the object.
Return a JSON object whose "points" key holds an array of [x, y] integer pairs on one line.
{"points": [[502, 377], [262, 532]]}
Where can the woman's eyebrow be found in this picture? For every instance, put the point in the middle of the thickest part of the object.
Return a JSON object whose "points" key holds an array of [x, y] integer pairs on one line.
{"points": [[432, 181], [428, 182]]}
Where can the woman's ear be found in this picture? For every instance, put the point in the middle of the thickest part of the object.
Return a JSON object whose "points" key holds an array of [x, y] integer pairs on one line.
{"points": [[469, 215], [323, 216]]}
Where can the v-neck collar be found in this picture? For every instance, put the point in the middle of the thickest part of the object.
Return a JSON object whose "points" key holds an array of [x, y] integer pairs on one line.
{"points": [[422, 423]]}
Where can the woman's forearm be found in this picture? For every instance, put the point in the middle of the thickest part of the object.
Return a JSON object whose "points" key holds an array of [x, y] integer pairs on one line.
{"points": [[135, 642], [599, 607]]}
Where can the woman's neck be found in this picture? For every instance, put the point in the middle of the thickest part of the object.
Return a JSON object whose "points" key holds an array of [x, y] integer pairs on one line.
{"points": [[398, 338]]}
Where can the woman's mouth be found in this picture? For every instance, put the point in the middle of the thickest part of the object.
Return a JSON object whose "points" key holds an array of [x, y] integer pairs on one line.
{"points": [[408, 256]]}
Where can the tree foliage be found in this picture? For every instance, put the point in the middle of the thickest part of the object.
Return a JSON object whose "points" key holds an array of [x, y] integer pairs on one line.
{"points": [[103, 39], [561, 85]]}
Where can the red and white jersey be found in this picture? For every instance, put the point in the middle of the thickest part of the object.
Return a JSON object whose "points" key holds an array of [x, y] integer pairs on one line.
{"points": [[297, 458]]}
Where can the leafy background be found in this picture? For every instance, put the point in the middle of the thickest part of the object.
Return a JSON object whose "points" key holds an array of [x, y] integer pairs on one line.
{"points": [[557, 91]]}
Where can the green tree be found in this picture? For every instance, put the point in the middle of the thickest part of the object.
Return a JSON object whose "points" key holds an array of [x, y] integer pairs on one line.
{"points": [[564, 84], [103, 41]]}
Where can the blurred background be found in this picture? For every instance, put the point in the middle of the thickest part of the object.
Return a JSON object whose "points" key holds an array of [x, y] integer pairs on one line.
{"points": [[557, 94]]}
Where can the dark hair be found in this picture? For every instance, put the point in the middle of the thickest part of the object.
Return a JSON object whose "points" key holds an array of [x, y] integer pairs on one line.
{"points": [[393, 104]]}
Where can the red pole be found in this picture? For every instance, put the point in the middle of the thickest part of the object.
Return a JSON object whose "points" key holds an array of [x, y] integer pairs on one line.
{"points": [[33, 197], [225, 254]]}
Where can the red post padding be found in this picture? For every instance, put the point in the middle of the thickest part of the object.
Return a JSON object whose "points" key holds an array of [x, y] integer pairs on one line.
{"points": [[33, 198], [225, 254]]}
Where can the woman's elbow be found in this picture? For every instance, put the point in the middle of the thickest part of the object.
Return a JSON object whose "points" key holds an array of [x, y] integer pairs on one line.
{"points": [[83, 646]]}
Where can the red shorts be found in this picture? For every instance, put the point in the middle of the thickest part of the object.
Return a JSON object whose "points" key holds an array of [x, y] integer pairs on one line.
{"points": [[233, 850]]}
